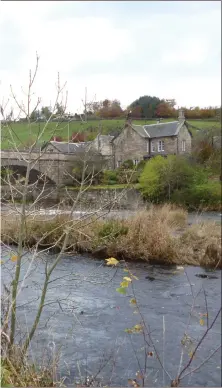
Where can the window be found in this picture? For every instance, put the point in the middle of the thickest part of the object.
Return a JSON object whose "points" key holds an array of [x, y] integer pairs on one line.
{"points": [[119, 163], [160, 146], [152, 146], [183, 145], [135, 162]]}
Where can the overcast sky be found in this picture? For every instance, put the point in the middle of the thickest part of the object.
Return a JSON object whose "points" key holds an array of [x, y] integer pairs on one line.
{"points": [[116, 49]]}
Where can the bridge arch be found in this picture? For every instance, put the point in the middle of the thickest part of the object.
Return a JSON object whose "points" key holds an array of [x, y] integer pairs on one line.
{"points": [[17, 172]]}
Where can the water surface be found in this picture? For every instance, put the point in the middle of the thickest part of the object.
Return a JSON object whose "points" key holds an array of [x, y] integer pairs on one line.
{"points": [[85, 318]]}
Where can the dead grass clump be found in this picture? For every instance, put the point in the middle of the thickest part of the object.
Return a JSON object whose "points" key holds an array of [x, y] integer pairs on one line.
{"points": [[170, 214], [15, 369], [202, 243], [212, 257], [45, 232], [17, 372], [156, 235], [149, 237]]}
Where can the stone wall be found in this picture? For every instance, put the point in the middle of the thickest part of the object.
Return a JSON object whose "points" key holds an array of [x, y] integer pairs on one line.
{"points": [[184, 134], [129, 199], [170, 146], [58, 167], [129, 145]]}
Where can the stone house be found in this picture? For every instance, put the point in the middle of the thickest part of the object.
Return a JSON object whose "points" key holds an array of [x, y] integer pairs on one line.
{"points": [[141, 142], [65, 147], [95, 153], [103, 144]]}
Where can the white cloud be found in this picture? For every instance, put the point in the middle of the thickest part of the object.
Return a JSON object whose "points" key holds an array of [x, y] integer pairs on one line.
{"points": [[168, 54], [189, 51]]}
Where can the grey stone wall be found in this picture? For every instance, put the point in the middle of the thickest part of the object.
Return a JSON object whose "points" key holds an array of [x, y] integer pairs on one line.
{"points": [[184, 135], [170, 145], [58, 167], [113, 199], [130, 199], [129, 145]]}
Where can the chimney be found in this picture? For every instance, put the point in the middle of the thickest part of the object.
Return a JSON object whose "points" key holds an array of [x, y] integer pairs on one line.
{"points": [[129, 118], [181, 116]]}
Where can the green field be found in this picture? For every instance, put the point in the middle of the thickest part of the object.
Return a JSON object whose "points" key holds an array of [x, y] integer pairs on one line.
{"points": [[24, 136]]}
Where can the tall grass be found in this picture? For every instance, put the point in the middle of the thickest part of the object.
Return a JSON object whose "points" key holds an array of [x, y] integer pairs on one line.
{"points": [[160, 234]]}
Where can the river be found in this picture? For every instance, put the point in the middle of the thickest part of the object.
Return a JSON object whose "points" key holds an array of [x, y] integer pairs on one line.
{"points": [[193, 217], [85, 319]]}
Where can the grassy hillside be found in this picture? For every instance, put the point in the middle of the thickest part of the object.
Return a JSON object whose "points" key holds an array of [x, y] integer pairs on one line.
{"points": [[24, 136]]}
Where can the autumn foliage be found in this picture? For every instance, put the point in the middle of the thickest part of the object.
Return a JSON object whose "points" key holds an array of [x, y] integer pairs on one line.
{"points": [[78, 137]]}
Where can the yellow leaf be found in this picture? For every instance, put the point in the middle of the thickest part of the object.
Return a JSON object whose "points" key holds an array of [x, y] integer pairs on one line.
{"points": [[111, 261], [127, 279], [14, 258], [2, 262], [124, 284], [191, 354], [125, 270], [137, 328], [134, 277], [201, 322], [133, 301]]}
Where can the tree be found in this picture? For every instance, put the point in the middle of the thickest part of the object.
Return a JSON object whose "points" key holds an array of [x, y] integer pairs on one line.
{"points": [[107, 108], [35, 115], [164, 110], [60, 109], [22, 222], [162, 176], [115, 109], [78, 137], [56, 138], [148, 105], [136, 112], [46, 112]]}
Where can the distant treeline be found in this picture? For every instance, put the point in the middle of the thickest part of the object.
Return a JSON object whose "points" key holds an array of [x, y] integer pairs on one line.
{"points": [[145, 107]]}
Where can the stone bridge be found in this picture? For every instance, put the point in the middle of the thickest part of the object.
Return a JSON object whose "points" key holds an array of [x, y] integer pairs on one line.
{"points": [[55, 166]]}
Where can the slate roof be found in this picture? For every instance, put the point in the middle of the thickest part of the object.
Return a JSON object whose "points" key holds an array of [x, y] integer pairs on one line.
{"points": [[70, 148], [158, 130], [106, 137]]}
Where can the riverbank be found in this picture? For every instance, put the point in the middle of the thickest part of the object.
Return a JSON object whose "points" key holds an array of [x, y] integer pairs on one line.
{"points": [[116, 197], [158, 235]]}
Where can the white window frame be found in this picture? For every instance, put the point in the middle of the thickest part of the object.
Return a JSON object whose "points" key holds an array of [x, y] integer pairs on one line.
{"points": [[135, 162], [183, 145], [152, 146], [160, 146]]}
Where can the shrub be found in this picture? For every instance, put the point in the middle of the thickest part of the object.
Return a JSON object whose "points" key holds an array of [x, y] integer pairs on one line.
{"points": [[161, 177], [109, 177], [112, 229], [128, 176], [140, 166], [127, 165], [207, 195]]}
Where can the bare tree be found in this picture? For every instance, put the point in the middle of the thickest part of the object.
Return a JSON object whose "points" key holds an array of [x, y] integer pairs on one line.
{"points": [[24, 212]]}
